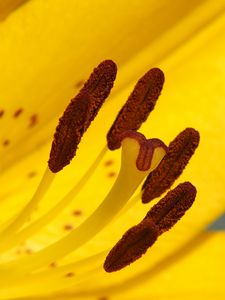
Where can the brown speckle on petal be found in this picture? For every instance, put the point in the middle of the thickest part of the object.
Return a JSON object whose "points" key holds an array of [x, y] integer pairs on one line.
{"points": [[68, 227], [1, 113], [69, 274], [77, 212], [32, 174], [111, 174], [6, 143], [108, 163], [18, 112], [33, 120]]}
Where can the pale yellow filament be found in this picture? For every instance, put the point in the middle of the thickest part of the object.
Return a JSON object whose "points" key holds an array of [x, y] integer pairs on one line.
{"points": [[58, 282], [128, 180], [21, 274], [45, 219], [24, 215]]}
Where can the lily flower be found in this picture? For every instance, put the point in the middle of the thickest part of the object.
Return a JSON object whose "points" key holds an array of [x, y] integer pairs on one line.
{"points": [[104, 209]]}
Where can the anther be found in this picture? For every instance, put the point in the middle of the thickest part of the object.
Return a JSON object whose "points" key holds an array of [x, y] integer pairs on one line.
{"points": [[179, 152], [79, 114], [172, 207], [132, 246], [165, 214], [138, 106]]}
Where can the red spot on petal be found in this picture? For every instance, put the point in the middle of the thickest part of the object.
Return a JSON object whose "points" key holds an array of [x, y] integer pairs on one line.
{"points": [[111, 174], [68, 227], [28, 251], [79, 84], [108, 162], [6, 142], [70, 274], [53, 264], [18, 112], [31, 174], [33, 120], [77, 212], [1, 113]]}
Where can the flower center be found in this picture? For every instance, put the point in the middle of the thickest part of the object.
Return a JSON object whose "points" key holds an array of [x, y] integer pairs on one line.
{"points": [[140, 158]]}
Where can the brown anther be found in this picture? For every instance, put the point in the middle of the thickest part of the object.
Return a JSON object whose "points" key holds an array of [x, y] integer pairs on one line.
{"points": [[172, 165], [147, 148], [132, 246], [138, 106], [161, 217], [172, 207], [79, 114]]}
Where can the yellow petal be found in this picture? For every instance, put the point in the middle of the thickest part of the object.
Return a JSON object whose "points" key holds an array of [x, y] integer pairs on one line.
{"points": [[45, 52]]}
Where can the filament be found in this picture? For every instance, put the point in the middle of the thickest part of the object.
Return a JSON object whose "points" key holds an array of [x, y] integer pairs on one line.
{"points": [[24, 215], [45, 219], [127, 181]]}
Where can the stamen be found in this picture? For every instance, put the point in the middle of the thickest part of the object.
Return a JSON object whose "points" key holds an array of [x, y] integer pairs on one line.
{"points": [[31, 229], [136, 241], [170, 168], [39, 273], [125, 185], [79, 114], [74, 122], [24, 214], [172, 207], [138, 106]]}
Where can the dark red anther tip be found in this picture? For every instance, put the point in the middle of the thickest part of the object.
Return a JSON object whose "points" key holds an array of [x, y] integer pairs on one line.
{"points": [[172, 207], [138, 106], [160, 218], [132, 246], [172, 165], [79, 114]]}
